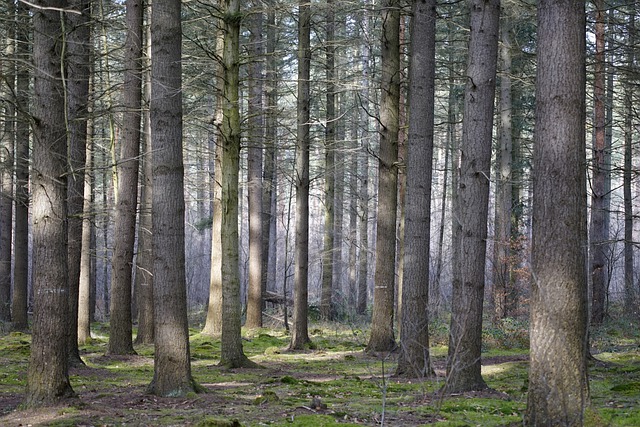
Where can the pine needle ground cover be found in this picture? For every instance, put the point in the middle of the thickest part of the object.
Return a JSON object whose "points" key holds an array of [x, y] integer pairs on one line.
{"points": [[335, 384]]}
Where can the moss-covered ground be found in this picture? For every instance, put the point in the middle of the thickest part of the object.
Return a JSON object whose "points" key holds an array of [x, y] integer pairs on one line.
{"points": [[334, 384]]}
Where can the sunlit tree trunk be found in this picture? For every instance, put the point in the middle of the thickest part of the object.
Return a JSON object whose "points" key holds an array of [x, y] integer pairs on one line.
{"points": [[86, 255], [472, 205], [558, 383], [414, 360], [382, 335], [172, 366], [48, 372]]}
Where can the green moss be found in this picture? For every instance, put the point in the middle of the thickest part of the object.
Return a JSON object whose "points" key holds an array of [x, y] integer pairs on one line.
{"points": [[313, 421]]}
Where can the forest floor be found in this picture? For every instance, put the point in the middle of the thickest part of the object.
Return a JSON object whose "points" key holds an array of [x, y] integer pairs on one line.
{"points": [[335, 384]]}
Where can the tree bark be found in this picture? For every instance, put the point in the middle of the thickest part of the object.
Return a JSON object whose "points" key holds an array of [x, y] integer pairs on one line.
{"points": [[382, 336], [300, 334], [87, 255], [472, 204], [414, 360], [558, 383], [629, 115], [172, 368], [48, 371]]}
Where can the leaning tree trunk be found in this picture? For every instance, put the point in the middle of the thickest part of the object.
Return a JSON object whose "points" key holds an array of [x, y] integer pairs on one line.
{"points": [[48, 372], [472, 201], [558, 379], [382, 335]]}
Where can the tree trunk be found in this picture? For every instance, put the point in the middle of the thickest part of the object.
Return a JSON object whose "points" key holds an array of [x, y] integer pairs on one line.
{"points": [[382, 335], [231, 355], [502, 242], [78, 69], [597, 237], [48, 375], [256, 290], [629, 116], [21, 227], [86, 255], [558, 383], [414, 360], [472, 204], [326, 303], [172, 368], [300, 334]]}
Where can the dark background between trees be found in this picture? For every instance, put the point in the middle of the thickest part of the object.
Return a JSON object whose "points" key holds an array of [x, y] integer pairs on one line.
{"points": [[269, 161]]}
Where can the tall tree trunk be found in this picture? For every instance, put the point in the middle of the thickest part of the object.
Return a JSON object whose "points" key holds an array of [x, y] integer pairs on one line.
{"points": [[7, 147], [120, 338], [172, 367], [472, 205], [231, 355], [21, 227], [48, 372], [300, 334], [86, 255], [629, 115], [502, 241], [558, 383], [256, 289], [597, 237], [326, 303], [213, 324], [414, 360], [382, 335], [78, 69]]}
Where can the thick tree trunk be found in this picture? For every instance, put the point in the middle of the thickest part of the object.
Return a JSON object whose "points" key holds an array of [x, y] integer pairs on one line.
{"points": [[558, 383], [472, 204], [48, 375], [414, 360], [172, 367], [120, 338], [300, 334], [382, 335]]}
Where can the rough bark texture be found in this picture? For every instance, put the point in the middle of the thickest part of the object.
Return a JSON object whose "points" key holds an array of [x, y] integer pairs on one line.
{"points": [[21, 227], [597, 228], [414, 360], [382, 335], [47, 375], [120, 338], [300, 332], [558, 384], [172, 368], [231, 354], [86, 256], [256, 289], [472, 204]]}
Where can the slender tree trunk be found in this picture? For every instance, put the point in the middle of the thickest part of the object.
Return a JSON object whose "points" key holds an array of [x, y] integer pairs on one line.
{"points": [[21, 226], [48, 372], [558, 382], [326, 303], [172, 367], [300, 334], [472, 205], [120, 338], [597, 237], [86, 255], [256, 290], [629, 93], [502, 241], [382, 335], [414, 360]]}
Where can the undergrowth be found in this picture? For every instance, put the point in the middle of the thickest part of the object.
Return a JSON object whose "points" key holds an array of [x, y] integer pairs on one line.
{"points": [[337, 383]]}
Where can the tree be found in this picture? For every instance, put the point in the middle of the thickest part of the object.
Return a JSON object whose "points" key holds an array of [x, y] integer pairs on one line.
{"points": [[300, 334], [382, 336], [629, 287], [558, 384], [47, 375], [598, 232], [414, 360], [231, 354], [172, 367], [120, 338], [86, 279], [472, 201], [78, 69], [257, 283]]}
